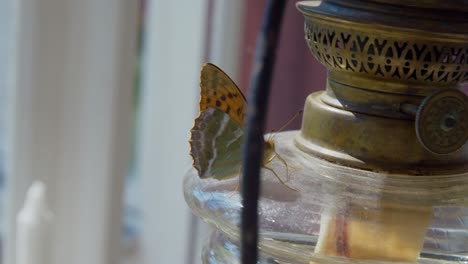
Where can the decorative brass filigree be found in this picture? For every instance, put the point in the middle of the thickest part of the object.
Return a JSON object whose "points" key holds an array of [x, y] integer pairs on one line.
{"points": [[389, 57]]}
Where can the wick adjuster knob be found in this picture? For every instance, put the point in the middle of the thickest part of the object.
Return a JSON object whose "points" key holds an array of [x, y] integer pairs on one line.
{"points": [[441, 121]]}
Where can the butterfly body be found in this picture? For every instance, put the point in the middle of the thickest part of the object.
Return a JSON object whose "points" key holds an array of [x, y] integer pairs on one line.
{"points": [[217, 135]]}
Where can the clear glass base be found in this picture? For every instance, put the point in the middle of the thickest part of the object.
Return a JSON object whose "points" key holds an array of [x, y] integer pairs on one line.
{"points": [[220, 249], [337, 214]]}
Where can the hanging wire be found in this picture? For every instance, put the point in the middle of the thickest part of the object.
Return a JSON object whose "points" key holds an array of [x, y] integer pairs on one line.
{"points": [[255, 125]]}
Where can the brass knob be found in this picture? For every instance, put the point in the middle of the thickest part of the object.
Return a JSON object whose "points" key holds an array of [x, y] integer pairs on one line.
{"points": [[441, 121]]}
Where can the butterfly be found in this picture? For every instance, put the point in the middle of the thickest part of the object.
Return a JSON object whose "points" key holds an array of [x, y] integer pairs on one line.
{"points": [[218, 133]]}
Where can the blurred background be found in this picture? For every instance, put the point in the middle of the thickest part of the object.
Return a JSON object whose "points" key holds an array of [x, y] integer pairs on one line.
{"points": [[97, 99]]}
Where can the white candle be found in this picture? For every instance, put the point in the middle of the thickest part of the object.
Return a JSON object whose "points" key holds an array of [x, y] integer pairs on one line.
{"points": [[33, 227]]}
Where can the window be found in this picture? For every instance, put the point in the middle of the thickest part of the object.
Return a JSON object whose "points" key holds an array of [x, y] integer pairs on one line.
{"points": [[78, 121], [6, 25]]}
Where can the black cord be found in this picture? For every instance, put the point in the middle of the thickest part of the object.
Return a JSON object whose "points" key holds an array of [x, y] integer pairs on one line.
{"points": [[259, 91]]}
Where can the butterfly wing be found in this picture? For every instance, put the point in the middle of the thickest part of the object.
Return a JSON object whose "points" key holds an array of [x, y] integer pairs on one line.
{"points": [[220, 92], [216, 145], [216, 137]]}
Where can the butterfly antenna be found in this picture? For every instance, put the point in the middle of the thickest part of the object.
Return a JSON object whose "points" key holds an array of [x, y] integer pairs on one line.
{"points": [[290, 120], [287, 123]]}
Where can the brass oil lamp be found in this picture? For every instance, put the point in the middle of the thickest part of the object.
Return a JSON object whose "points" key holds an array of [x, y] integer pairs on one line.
{"points": [[397, 67], [381, 161]]}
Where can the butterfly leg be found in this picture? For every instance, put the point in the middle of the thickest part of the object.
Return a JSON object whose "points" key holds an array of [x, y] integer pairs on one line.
{"points": [[288, 166], [236, 190], [278, 177], [238, 180], [285, 164], [238, 183]]}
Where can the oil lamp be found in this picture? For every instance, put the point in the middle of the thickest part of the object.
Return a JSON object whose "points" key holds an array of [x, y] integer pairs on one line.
{"points": [[380, 164]]}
